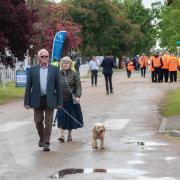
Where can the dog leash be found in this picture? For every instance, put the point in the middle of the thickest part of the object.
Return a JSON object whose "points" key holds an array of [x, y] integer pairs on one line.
{"points": [[73, 118]]}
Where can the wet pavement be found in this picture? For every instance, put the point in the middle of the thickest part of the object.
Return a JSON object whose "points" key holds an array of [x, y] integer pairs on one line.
{"points": [[133, 148]]}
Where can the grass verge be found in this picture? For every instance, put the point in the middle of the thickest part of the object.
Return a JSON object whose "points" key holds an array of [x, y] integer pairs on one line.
{"points": [[171, 105], [10, 93]]}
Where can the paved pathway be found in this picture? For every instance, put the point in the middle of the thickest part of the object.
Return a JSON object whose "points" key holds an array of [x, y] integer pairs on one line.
{"points": [[133, 148]]}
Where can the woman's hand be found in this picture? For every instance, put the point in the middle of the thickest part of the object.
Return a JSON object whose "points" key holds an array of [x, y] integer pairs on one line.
{"points": [[78, 100]]}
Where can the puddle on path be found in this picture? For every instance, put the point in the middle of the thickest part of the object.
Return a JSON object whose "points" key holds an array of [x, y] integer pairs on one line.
{"points": [[146, 143], [120, 172]]}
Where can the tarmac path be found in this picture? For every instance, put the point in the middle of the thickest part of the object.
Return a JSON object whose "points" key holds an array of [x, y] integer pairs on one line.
{"points": [[133, 148]]}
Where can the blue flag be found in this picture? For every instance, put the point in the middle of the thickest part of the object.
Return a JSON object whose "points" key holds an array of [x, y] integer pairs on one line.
{"points": [[57, 45]]}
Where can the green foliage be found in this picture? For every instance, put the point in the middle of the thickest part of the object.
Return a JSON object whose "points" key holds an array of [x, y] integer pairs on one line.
{"points": [[142, 17], [170, 25], [116, 27], [105, 27]]}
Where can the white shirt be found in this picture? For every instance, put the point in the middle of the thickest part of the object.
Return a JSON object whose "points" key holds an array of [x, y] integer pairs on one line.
{"points": [[94, 65], [43, 80]]}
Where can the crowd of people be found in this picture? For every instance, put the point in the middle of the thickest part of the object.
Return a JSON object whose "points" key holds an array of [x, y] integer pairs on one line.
{"points": [[50, 87], [163, 66]]}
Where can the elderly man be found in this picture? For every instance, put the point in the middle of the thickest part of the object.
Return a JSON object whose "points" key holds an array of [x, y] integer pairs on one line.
{"points": [[43, 94]]}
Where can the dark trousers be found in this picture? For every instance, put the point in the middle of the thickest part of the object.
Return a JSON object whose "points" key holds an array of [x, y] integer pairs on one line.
{"points": [[165, 74], [173, 76], [153, 76], [43, 118], [108, 81], [143, 71], [129, 74], [94, 74], [157, 74]]}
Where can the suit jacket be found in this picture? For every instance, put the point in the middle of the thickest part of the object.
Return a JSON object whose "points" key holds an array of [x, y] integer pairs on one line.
{"points": [[107, 65], [32, 96]]}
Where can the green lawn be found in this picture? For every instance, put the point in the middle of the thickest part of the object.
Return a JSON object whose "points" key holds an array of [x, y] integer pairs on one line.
{"points": [[10, 93], [171, 105]]}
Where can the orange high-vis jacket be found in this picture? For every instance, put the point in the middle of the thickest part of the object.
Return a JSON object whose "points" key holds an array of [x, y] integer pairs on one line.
{"points": [[130, 66], [173, 63], [165, 60], [151, 68], [143, 61], [156, 62]]}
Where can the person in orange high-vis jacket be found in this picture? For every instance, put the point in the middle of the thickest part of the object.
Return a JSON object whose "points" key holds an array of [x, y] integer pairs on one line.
{"points": [[165, 67], [152, 69], [130, 68], [173, 65], [143, 61], [157, 64]]}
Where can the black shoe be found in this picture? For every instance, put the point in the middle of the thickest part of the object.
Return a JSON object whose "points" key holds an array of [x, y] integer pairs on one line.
{"points": [[69, 138], [40, 144], [61, 139], [46, 147], [107, 93], [111, 91]]}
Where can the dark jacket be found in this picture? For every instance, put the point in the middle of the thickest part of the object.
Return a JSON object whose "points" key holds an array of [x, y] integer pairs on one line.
{"points": [[107, 65], [74, 83], [32, 96]]}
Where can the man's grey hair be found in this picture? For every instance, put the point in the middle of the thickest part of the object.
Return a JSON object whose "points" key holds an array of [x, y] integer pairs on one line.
{"points": [[42, 50]]}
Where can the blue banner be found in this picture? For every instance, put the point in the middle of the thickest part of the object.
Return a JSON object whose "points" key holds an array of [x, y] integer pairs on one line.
{"points": [[57, 45], [21, 77]]}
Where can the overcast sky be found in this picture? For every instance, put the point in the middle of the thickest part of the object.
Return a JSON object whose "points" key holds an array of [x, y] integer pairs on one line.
{"points": [[147, 3]]}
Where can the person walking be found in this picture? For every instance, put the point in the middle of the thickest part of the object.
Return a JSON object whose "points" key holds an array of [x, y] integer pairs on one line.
{"points": [[143, 61], [43, 94], [157, 64], [70, 116], [130, 68], [173, 66], [152, 69], [108, 65], [165, 67], [94, 68]]}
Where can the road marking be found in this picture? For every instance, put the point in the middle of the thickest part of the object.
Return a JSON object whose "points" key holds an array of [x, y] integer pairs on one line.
{"points": [[9, 126], [136, 162], [116, 123], [169, 158]]}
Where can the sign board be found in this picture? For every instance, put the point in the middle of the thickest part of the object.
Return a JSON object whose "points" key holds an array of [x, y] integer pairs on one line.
{"points": [[178, 42], [21, 77], [57, 45]]}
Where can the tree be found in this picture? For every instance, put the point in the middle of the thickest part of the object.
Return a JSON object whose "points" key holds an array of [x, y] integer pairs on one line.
{"points": [[170, 25], [15, 28], [142, 17], [52, 18], [105, 28]]}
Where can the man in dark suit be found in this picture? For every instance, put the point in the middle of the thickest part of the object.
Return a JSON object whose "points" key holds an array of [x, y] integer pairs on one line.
{"points": [[43, 94], [107, 65]]}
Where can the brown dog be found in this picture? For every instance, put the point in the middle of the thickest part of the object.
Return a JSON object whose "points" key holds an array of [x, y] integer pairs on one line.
{"points": [[98, 133]]}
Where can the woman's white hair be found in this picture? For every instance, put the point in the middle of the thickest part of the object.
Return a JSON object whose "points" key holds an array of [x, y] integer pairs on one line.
{"points": [[66, 59]]}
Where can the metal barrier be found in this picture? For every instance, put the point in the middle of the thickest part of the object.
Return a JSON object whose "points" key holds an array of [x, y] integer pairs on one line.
{"points": [[8, 74], [84, 69]]}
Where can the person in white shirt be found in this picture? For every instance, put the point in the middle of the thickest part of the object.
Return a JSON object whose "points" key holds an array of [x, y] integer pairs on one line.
{"points": [[94, 68]]}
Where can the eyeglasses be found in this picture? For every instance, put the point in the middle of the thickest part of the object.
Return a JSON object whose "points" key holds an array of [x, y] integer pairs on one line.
{"points": [[44, 56]]}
